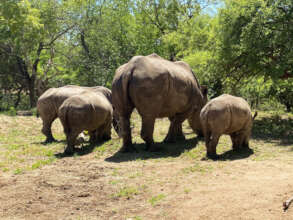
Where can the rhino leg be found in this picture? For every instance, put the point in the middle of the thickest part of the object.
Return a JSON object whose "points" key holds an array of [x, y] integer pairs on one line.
{"points": [[238, 140], [93, 136], [211, 146], [147, 130], [46, 130], [126, 134], [175, 130], [107, 131], [235, 141], [245, 143], [71, 138]]}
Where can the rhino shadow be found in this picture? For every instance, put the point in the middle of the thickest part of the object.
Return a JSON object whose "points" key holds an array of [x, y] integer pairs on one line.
{"points": [[236, 155], [49, 143], [164, 150], [84, 150]]}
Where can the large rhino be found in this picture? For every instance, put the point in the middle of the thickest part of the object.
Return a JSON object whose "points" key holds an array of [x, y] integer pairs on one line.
{"points": [[49, 103], [156, 88], [230, 115], [91, 111]]}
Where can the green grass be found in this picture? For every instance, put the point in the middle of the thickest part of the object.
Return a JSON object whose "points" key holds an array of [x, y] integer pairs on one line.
{"points": [[126, 192], [41, 163], [156, 199], [21, 148], [197, 168]]}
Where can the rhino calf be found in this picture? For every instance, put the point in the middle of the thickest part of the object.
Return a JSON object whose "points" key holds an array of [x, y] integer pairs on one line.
{"points": [[49, 103], [226, 114], [90, 111]]}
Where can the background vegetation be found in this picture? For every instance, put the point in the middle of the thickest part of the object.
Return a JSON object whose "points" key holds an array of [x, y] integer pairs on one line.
{"points": [[242, 47]]}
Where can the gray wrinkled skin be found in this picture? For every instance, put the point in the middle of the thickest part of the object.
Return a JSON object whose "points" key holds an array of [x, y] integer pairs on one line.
{"points": [[91, 111], [226, 114], [156, 88], [50, 101]]}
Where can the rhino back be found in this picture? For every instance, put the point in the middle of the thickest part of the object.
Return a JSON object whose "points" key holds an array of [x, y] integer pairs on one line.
{"points": [[85, 111], [159, 87], [226, 114]]}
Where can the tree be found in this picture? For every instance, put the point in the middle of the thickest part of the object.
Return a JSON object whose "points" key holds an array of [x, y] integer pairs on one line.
{"points": [[255, 38], [28, 30]]}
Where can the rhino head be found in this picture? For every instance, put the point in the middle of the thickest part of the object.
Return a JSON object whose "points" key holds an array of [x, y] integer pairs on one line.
{"points": [[194, 120]]}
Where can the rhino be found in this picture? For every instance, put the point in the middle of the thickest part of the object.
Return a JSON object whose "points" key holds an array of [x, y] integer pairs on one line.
{"points": [[50, 101], [157, 88], [91, 111], [226, 114]]}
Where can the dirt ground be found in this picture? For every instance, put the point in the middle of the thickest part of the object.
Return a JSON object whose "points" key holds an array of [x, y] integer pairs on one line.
{"points": [[113, 186]]}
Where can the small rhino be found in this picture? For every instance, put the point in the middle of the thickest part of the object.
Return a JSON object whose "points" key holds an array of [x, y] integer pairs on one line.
{"points": [[226, 114], [91, 111], [49, 103]]}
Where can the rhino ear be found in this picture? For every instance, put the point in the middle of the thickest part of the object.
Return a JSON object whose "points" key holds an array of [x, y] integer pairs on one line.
{"points": [[204, 90]]}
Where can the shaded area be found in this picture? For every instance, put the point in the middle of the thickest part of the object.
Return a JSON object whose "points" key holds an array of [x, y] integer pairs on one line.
{"points": [[83, 150], [164, 150], [236, 155], [50, 143], [273, 127]]}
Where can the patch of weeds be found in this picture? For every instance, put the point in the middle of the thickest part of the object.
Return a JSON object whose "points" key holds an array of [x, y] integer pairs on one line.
{"points": [[197, 168], [126, 192], [101, 149], [116, 172], [13, 147], [114, 182], [41, 163], [4, 169], [186, 191], [196, 153], [263, 156], [156, 199], [50, 153], [143, 188], [76, 155], [135, 218], [18, 171], [114, 211], [137, 174]]}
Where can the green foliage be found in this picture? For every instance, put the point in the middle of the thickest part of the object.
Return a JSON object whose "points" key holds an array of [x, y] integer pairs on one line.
{"points": [[243, 49], [12, 111], [283, 91]]}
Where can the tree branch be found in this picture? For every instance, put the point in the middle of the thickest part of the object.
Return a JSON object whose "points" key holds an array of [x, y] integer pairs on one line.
{"points": [[60, 34]]}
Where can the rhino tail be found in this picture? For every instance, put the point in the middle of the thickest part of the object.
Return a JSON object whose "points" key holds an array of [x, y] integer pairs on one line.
{"points": [[121, 86], [63, 111], [255, 114]]}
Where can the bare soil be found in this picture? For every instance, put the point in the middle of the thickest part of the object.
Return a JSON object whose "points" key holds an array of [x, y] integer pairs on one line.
{"points": [[115, 186]]}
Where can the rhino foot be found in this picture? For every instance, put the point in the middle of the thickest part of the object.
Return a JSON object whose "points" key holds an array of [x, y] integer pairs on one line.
{"points": [[169, 140], [49, 140], [213, 156], [69, 151], [172, 139], [128, 149], [153, 148]]}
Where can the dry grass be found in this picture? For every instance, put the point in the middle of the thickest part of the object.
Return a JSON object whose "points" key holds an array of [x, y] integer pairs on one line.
{"points": [[175, 183]]}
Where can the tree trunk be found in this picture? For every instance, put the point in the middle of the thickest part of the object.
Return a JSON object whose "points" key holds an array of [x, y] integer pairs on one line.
{"points": [[288, 107], [30, 80], [16, 103], [32, 93]]}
